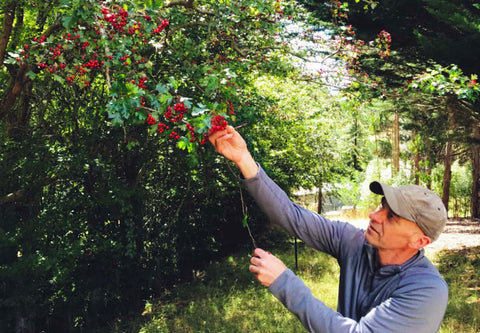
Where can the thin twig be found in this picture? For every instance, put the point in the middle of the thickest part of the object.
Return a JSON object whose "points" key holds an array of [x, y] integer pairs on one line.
{"points": [[241, 125], [244, 207]]}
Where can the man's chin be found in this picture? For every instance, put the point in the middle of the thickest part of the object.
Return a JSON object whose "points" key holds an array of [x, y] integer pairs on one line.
{"points": [[368, 238]]}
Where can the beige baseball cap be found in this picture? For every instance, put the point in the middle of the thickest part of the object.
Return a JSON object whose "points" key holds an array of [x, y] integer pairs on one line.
{"points": [[417, 204]]}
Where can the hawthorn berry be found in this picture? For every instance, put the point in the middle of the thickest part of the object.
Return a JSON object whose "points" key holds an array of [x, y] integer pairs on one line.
{"points": [[151, 120], [218, 124]]}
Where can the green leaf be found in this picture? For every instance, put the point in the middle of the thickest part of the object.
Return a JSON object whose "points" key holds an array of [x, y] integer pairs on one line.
{"points": [[244, 222], [191, 146], [182, 143], [67, 22], [58, 78], [161, 88], [175, 84]]}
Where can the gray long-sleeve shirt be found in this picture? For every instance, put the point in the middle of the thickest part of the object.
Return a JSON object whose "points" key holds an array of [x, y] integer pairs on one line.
{"points": [[411, 297]]}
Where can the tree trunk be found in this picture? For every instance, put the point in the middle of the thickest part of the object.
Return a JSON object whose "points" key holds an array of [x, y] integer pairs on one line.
{"points": [[396, 144], [416, 159], [475, 199], [428, 171], [8, 20], [320, 199], [447, 173]]}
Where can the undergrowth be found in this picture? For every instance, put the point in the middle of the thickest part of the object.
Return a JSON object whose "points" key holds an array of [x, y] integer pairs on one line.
{"points": [[226, 297]]}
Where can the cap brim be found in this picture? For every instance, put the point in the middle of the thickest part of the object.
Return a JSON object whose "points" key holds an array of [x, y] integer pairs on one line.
{"points": [[376, 188], [393, 197]]}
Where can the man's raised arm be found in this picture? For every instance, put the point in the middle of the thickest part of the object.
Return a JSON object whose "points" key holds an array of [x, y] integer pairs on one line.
{"points": [[230, 144]]}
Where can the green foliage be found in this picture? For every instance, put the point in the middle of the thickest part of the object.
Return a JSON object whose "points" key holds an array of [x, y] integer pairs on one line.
{"points": [[448, 80], [296, 135], [151, 56], [461, 269]]}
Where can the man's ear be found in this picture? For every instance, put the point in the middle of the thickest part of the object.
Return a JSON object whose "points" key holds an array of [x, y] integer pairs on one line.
{"points": [[420, 241]]}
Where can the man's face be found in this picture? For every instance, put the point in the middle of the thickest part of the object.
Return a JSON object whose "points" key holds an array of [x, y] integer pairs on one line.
{"points": [[388, 231]]}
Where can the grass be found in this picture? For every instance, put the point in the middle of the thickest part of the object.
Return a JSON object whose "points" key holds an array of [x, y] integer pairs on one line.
{"points": [[226, 297], [461, 270]]}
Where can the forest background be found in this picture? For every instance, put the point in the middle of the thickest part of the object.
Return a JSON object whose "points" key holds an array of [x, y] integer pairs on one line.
{"points": [[109, 194]]}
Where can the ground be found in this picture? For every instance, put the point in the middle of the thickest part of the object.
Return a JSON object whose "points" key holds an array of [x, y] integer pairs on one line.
{"points": [[457, 234]]}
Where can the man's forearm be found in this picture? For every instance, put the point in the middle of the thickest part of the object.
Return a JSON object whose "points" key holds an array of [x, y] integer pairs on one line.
{"points": [[248, 167]]}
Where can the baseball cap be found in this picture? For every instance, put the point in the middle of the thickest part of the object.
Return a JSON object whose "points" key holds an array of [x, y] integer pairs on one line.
{"points": [[417, 204]]}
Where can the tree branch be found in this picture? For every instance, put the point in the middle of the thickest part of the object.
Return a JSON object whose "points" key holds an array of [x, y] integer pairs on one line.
{"points": [[8, 19], [19, 80], [14, 196]]}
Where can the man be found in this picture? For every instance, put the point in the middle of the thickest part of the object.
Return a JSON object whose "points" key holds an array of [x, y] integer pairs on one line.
{"points": [[386, 282]]}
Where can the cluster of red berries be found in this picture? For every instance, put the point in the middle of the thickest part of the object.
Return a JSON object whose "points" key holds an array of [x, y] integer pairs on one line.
{"points": [[117, 20], [141, 82], [162, 127], [176, 116], [124, 59], [161, 27], [71, 37], [218, 124], [192, 132], [134, 28], [174, 135], [151, 120], [56, 51], [40, 40], [93, 64]]}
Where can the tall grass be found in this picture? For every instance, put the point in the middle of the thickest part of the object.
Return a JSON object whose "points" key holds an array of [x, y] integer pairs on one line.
{"points": [[461, 270], [227, 298]]}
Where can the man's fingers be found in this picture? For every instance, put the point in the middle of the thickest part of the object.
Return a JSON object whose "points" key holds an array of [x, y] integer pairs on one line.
{"points": [[259, 253], [217, 138], [214, 136], [255, 261]]}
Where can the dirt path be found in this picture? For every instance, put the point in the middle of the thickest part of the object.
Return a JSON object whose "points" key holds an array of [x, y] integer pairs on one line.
{"points": [[457, 234]]}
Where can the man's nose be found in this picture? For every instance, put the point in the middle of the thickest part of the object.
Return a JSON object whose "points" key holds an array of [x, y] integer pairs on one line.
{"points": [[376, 216]]}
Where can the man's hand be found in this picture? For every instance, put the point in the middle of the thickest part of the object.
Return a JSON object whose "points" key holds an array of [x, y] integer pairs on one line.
{"points": [[230, 144], [266, 267]]}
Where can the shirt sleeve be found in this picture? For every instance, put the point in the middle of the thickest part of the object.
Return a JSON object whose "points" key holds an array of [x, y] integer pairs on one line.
{"points": [[411, 309], [312, 228]]}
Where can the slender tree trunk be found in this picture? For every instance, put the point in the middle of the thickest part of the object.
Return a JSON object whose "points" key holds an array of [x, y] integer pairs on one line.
{"points": [[416, 158], [475, 199], [447, 173], [320, 199], [428, 171], [356, 164], [396, 144], [7, 27]]}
